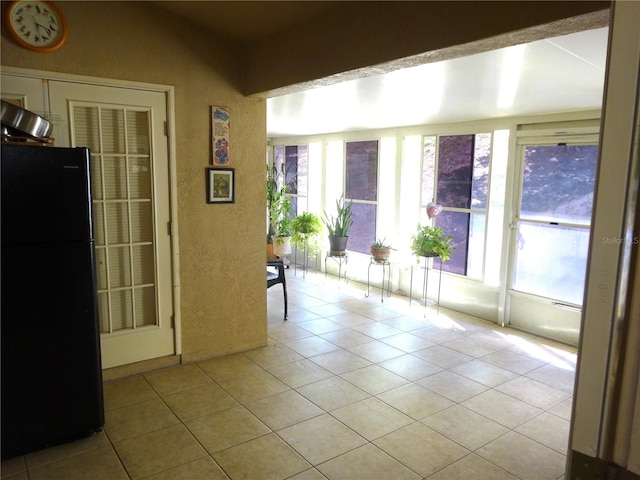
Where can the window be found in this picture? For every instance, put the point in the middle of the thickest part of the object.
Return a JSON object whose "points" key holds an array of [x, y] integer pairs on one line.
{"points": [[362, 189], [455, 174], [295, 158], [552, 228]]}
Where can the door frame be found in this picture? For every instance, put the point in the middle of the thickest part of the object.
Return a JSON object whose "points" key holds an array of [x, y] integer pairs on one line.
{"points": [[169, 92], [603, 418]]}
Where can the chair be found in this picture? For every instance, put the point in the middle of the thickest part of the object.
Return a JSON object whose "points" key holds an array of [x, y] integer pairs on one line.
{"points": [[274, 278]]}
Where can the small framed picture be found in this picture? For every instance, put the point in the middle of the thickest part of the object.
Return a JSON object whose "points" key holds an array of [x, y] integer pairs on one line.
{"points": [[221, 185]]}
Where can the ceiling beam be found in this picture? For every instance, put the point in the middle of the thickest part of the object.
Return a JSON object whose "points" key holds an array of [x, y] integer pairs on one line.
{"points": [[359, 39]]}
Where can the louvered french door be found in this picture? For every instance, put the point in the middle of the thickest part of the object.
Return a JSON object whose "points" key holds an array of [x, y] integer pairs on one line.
{"points": [[124, 130]]}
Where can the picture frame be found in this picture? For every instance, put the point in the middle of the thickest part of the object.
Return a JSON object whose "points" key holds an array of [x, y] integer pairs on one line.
{"points": [[220, 128], [220, 185]]}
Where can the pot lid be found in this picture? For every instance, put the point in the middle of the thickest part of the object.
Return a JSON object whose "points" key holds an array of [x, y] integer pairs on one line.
{"points": [[25, 121]]}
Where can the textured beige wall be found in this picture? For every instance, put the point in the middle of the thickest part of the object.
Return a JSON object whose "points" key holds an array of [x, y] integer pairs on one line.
{"points": [[222, 252]]}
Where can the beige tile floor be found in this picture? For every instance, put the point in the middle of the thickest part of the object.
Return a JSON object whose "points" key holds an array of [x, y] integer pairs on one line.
{"points": [[348, 388]]}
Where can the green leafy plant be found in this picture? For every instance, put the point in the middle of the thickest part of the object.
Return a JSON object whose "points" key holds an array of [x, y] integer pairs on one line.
{"points": [[280, 215], [305, 229], [274, 191], [429, 240], [338, 226]]}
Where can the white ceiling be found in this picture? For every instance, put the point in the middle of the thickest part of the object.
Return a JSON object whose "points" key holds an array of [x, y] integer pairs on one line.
{"points": [[548, 76]]}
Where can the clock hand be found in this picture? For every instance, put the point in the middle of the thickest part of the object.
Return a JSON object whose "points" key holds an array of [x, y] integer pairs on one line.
{"points": [[39, 27], [36, 24]]}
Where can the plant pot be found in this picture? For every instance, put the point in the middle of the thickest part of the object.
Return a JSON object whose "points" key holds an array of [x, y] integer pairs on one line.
{"points": [[380, 253], [281, 246], [337, 245]]}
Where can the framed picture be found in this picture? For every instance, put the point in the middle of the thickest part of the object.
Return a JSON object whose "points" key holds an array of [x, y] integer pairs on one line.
{"points": [[221, 185], [220, 136]]}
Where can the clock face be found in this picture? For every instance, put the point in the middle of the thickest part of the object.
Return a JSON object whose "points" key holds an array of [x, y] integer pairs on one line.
{"points": [[36, 25]]}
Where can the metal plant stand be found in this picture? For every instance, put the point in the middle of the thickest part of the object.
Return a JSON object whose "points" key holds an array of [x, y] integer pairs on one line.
{"points": [[305, 260], [341, 258], [425, 281], [386, 271]]}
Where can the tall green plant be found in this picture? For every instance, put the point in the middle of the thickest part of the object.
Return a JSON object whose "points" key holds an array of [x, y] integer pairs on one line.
{"points": [[338, 226], [274, 193], [280, 214]]}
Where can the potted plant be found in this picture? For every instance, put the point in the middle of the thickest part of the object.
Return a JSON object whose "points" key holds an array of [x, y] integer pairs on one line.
{"points": [[273, 190], [338, 226], [305, 229], [281, 221], [380, 249], [431, 241]]}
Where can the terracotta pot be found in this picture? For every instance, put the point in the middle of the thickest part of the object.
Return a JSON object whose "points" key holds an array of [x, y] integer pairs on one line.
{"points": [[380, 253]]}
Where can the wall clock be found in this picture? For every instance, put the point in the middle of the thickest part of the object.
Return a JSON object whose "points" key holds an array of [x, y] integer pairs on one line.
{"points": [[39, 26]]}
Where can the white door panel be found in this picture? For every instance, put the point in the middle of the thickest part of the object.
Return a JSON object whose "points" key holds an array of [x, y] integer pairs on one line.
{"points": [[124, 128]]}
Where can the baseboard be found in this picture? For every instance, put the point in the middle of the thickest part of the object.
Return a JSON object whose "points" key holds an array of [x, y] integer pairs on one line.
{"points": [[141, 367]]}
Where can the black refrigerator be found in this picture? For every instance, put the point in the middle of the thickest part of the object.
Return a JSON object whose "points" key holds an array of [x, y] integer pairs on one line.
{"points": [[51, 369]]}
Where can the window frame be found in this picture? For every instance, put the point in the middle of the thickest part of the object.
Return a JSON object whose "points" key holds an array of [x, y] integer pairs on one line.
{"points": [[523, 141], [299, 202], [362, 244], [476, 259]]}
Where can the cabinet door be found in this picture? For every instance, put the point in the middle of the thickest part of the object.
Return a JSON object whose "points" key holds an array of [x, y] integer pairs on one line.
{"points": [[25, 92], [33, 94]]}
